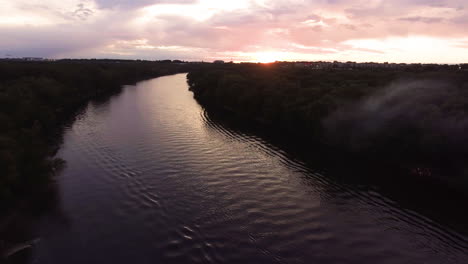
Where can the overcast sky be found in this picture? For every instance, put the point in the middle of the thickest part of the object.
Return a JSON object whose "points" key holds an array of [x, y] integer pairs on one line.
{"points": [[241, 30]]}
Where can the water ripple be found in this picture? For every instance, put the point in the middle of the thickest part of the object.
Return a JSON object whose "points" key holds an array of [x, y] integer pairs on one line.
{"points": [[151, 178]]}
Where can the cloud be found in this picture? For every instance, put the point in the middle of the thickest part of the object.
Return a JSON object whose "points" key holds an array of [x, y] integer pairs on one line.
{"points": [[428, 20], [138, 3], [82, 12], [48, 41], [304, 29]]}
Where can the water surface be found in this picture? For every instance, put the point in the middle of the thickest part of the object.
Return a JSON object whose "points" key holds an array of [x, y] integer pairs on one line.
{"points": [[150, 178]]}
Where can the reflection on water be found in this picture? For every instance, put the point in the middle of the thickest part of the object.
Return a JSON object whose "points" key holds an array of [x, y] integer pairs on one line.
{"points": [[150, 178]]}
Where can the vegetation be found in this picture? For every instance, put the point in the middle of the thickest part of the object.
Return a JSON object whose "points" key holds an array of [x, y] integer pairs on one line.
{"points": [[36, 98], [415, 115]]}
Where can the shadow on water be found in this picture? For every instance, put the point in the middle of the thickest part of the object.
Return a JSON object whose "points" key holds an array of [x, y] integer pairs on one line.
{"points": [[18, 227], [431, 203]]}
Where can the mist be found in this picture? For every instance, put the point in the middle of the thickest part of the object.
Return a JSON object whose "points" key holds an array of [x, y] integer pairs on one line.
{"points": [[428, 114]]}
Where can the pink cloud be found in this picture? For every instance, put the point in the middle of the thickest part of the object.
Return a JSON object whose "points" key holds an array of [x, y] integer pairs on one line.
{"points": [[323, 26]]}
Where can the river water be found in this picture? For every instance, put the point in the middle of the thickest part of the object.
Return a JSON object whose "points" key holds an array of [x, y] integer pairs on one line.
{"points": [[150, 178]]}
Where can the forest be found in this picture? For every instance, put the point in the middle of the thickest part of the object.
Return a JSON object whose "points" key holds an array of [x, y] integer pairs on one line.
{"points": [[387, 114], [38, 98], [415, 118]]}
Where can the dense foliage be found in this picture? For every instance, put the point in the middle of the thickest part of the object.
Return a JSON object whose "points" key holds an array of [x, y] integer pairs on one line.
{"points": [[387, 114], [36, 98]]}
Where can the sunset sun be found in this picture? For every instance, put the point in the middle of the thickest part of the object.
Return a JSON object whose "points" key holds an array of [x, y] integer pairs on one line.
{"points": [[267, 57]]}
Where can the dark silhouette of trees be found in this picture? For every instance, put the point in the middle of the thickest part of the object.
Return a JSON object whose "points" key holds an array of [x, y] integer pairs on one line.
{"points": [[36, 98], [402, 115]]}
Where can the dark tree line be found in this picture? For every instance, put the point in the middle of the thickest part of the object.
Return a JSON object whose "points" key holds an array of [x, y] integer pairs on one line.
{"points": [[36, 98], [415, 115]]}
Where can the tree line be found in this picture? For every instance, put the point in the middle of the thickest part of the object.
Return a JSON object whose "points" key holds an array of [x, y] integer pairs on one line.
{"points": [[37, 98], [415, 116]]}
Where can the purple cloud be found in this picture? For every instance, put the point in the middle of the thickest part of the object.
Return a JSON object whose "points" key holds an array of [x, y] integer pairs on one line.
{"points": [[138, 3], [306, 29]]}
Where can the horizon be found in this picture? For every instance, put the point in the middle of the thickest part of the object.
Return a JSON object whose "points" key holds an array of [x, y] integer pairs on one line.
{"points": [[403, 31], [228, 61]]}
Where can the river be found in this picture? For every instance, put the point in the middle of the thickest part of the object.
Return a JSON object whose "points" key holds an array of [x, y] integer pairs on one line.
{"points": [[151, 178]]}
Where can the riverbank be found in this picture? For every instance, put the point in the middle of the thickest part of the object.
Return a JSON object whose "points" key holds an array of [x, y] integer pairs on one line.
{"points": [[167, 182], [37, 100], [413, 120]]}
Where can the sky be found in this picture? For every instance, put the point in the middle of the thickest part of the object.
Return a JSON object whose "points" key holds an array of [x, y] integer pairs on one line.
{"points": [[425, 31]]}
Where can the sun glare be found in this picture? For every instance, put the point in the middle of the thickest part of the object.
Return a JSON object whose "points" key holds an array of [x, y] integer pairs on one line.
{"points": [[267, 57]]}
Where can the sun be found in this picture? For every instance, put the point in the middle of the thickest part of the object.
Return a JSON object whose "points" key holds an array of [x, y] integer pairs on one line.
{"points": [[266, 57]]}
